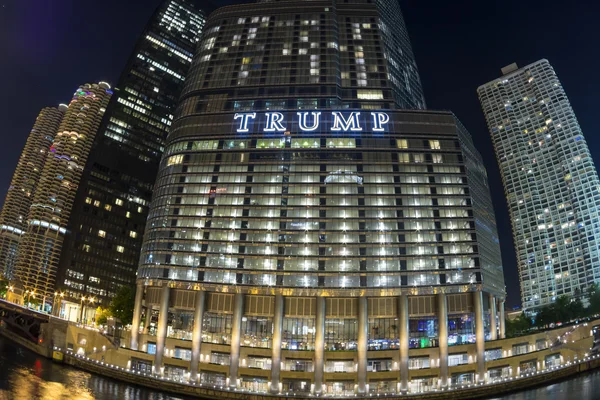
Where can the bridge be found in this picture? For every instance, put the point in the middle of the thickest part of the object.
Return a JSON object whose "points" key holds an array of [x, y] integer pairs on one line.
{"points": [[22, 321]]}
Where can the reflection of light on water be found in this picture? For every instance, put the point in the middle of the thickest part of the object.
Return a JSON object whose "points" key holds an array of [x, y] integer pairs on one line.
{"points": [[25, 385]]}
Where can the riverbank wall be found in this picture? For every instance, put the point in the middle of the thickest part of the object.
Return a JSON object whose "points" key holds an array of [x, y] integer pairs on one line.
{"points": [[208, 392]]}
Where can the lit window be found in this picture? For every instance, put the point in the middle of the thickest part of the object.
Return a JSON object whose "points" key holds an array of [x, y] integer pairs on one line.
{"points": [[86, 248], [128, 214], [270, 143], [133, 234], [120, 249], [369, 94], [140, 209], [434, 144], [102, 234], [88, 200], [306, 143], [402, 143], [174, 160], [107, 207], [341, 143], [96, 203], [119, 202]]}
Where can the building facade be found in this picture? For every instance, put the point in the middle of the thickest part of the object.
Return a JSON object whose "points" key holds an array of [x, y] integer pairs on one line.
{"points": [[39, 251], [105, 229], [303, 228], [550, 182], [13, 217]]}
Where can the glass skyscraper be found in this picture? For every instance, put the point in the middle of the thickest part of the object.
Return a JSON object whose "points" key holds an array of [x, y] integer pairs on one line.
{"points": [[106, 224], [550, 182], [307, 232]]}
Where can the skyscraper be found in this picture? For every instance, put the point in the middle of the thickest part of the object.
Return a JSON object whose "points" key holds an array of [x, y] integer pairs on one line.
{"points": [[550, 182], [13, 217], [298, 208], [105, 229], [64, 160]]}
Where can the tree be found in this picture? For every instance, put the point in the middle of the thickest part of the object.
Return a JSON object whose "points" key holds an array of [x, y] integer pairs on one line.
{"points": [[518, 326], [593, 296], [122, 304], [3, 288], [102, 315]]}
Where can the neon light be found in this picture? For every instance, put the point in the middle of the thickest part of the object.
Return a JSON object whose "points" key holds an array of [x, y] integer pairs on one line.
{"points": [[244, 121], [302, 122], [273, 123], [379, 119], [342, 124]]}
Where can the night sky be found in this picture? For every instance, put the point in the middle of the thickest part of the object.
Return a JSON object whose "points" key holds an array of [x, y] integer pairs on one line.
{"points": [[49, 47]]}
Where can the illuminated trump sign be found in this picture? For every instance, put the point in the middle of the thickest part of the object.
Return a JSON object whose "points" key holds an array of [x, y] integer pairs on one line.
{"points": [[310, 121]]}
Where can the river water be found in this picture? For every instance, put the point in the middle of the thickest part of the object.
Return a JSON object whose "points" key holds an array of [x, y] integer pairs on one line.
{"points": [[25, 375]]}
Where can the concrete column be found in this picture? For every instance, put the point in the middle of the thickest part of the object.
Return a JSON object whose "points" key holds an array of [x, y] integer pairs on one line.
{"points": [[479, 334], [276, 345], [137, 314], [403, 338], [363, 335], [502, 321], [197, 334], [319, 345], [236, 337], [161, 331], [443, 337], [493, 330]]}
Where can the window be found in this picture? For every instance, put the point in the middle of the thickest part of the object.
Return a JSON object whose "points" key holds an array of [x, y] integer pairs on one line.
{"points": [[151, 348], [493, 354], [107, 207], [128, 214], [306, 143], [369, 94], [298, 333], [434, 144], [457, 359], [120, 249], [174, 160], [96, 203], [340, 143], [340, 334], [119, 202], [88, 200], [133, 234], [102, 234], [402, 143], [270, 143], [256, 331], [139, 208], [418, 363]]}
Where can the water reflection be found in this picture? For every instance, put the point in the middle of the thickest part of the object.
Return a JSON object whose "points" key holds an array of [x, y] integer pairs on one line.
{"points": [[24, 375]]}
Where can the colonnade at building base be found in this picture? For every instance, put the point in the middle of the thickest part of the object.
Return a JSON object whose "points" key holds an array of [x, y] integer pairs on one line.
{"points": [[353, 373]]}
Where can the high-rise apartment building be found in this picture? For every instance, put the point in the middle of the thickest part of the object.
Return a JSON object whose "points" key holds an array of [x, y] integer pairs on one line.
{"points": [[64, 159], [105, 229], [550, 182], [297, 207], [13, 217]]}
